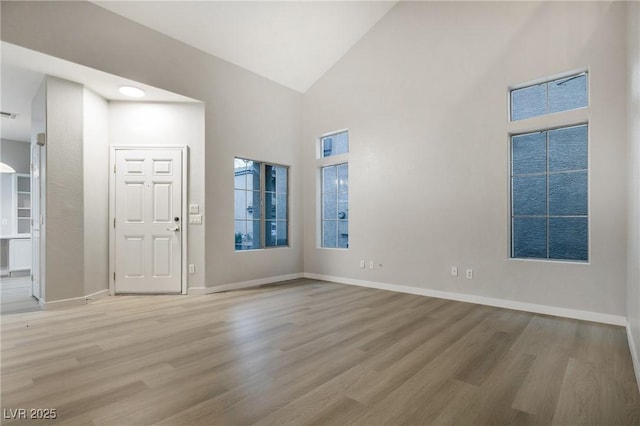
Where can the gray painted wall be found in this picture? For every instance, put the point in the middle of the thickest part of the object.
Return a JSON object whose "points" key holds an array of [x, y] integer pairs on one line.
{"points": [[424, 95], [633, 189], [65, 191], [96, 192], [245, 114], [16, 154]]}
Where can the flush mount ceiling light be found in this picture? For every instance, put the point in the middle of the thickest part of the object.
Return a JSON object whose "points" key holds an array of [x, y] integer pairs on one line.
{"points": [[131, 91]]}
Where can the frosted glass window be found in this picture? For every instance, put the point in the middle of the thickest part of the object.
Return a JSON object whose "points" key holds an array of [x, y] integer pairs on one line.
{"points": [[569, 238], [529, 237], [549, 194], [335, 144], [529, 153], [257, 225], [558, 95], [567, 93], [529, 102], [335, 206]]}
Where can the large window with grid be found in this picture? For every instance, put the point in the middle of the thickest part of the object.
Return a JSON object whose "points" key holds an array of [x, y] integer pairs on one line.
{"points": [[334, 197], [549, 194], [260, 224], [550, 169]]}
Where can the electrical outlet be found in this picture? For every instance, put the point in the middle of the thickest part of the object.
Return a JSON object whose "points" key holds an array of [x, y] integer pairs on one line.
{"points": [[192, 268], [371, 264], [362, 263], [470, 273], [454, 271]]}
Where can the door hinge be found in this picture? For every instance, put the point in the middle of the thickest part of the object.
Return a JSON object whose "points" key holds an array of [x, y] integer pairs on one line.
{"points": [[114, 276], [114, 222], [114, 167]]}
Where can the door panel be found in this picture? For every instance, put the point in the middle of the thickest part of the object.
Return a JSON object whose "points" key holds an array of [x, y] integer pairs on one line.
{"points": [[162, 202], [148, 246], [162, 257], [134, 249], [134, 208]]}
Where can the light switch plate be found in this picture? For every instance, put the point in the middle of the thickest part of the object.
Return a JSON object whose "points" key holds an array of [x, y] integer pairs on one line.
{"points": [[195, 219], [194, 208]]}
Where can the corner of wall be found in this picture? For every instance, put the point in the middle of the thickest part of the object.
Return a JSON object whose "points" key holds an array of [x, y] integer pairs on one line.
{"points": [[633, 182]]}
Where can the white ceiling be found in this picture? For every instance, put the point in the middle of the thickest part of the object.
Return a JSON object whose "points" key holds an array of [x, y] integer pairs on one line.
{"points": [[290, 42]]}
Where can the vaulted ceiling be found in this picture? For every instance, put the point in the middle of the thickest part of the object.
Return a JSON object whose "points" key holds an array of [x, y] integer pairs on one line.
{"points": [[290, 42]]}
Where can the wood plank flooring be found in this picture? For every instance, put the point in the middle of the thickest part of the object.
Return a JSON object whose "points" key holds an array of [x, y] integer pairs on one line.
{"points": [[15, 295], [313, 353]]}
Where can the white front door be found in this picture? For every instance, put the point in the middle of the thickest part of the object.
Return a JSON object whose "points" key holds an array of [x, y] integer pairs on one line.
{"points": [[148, 221]]}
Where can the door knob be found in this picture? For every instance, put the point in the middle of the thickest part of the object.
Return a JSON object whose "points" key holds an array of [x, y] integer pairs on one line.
{"points": [[175, 228]]}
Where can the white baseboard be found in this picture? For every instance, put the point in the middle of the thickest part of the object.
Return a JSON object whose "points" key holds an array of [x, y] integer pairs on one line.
{"points": [[481, 300], [243, 284], [634, 354], [75, 301]]}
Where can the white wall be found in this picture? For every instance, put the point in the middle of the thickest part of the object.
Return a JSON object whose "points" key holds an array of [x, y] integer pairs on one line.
{"points": [[157, 124], [96, 192], [245, 115], [633, 189], [424, 95]]}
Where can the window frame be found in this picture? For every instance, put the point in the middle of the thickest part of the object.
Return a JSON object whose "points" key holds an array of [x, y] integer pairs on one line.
{"points": [[545, 80], [322, 162], [263, 196], [546, 123], [547, 215]]}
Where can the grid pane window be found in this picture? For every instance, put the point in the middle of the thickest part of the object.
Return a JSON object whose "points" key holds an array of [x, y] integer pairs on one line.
{"points": [[335, 206], [549, 194], [276, 232], [247, 204], [558, 95], [335, 144], [258, 225]]}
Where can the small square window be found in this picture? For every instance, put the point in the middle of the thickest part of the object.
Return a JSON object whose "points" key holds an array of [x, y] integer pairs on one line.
{"points": [[335, 144]]}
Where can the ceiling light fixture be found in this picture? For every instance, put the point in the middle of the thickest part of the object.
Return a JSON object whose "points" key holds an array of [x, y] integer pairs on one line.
{"points": [[131, 91]]}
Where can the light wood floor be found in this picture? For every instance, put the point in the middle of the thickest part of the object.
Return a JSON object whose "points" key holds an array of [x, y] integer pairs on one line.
{"points": [[15, 295], [310, 352]]}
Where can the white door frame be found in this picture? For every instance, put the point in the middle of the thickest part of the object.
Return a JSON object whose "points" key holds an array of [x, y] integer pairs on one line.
{"points": [[112, 210]]}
